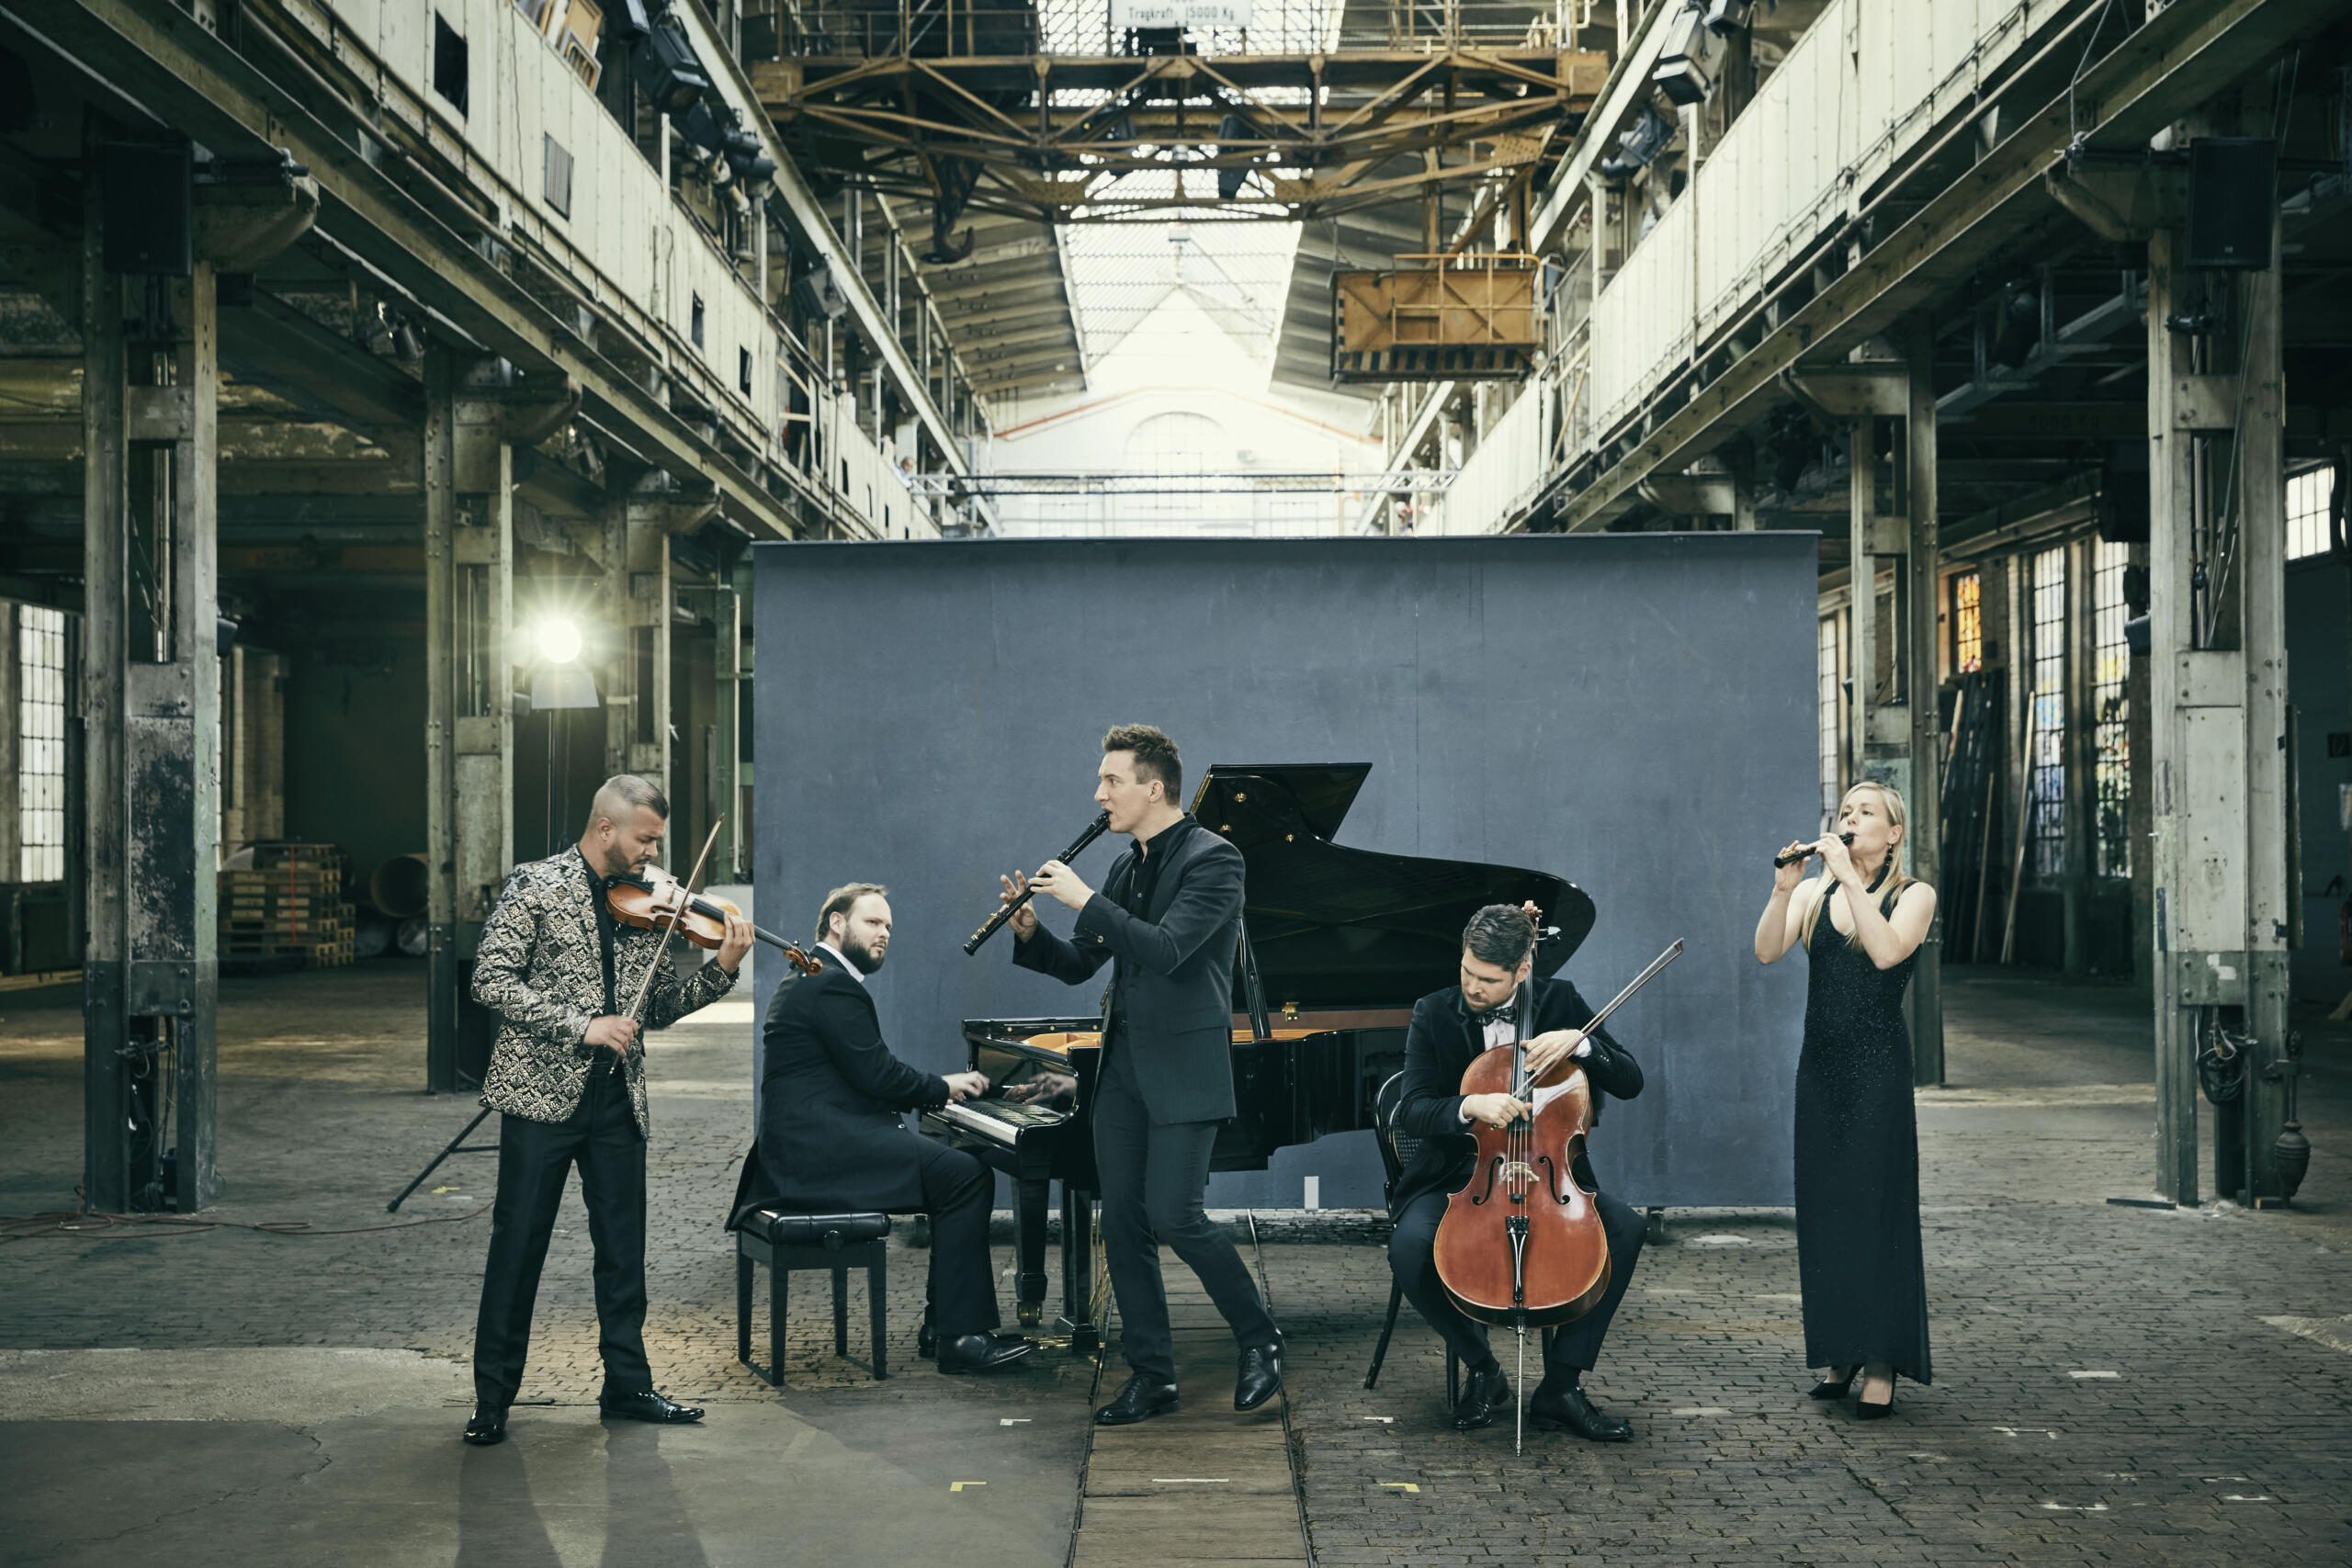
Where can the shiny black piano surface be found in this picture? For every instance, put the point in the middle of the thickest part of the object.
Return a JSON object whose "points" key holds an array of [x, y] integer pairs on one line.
{"points": [[1337, 945]]}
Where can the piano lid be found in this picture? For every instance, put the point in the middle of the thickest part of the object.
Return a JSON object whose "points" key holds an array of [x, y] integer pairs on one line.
{"points": [[1333, 926]]}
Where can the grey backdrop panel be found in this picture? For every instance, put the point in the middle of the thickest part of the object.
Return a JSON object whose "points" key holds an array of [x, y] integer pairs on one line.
{"points": [[1634, 713]]}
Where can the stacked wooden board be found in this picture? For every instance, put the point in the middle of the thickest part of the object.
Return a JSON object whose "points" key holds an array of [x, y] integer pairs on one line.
{"points": [[290, 904]]}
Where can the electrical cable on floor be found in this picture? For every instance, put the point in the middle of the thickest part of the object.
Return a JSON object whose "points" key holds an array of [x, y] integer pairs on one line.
{"points": [[98, 1225]]}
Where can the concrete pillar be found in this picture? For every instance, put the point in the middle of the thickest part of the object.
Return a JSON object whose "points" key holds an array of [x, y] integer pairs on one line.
{"points": [[150, 706], [1861, 616], [470, 684], [637, 734], [1922, 667]]}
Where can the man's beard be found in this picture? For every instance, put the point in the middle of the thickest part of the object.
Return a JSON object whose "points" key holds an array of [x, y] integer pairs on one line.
{"points": [[863, 956]]}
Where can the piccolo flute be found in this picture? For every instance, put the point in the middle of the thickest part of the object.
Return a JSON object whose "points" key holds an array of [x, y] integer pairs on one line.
{"points": [[1094, 830], [1795, 855]]}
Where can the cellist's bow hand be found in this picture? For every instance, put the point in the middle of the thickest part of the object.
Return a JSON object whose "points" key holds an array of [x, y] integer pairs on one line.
{"points": [[1547, 1051], [1493, 1110]]}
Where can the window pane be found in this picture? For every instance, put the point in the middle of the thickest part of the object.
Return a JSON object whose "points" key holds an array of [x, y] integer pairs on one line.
{"points": [[2111, 711], [2046, 792], [40, 744]]}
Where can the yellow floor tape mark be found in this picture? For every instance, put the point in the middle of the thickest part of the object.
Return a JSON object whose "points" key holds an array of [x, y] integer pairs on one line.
{"points": [[959, 1485], [1402, 1485]]}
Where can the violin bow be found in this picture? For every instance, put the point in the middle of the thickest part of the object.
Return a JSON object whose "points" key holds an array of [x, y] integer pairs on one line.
{"points": [[686, 889]]}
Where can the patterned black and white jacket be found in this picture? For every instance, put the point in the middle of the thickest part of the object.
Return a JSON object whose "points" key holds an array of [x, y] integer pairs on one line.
{"points": [[541, 969]]}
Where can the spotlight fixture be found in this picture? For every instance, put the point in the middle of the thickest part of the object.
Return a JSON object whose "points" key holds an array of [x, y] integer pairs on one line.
{"points": [[559, 640], [670, 71], [406, 341], [1644, 141], [379, 335], [1729, 16], [1684, 71], [2019, 328]]}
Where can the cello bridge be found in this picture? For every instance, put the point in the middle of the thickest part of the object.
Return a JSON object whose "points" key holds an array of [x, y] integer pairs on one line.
{"points": [[1517, 1170]]}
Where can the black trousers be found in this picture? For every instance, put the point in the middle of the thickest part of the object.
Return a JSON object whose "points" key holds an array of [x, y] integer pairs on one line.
{"points": [[1576, 1347], [535, 1158], [1152, 1178], [959, 1191]]}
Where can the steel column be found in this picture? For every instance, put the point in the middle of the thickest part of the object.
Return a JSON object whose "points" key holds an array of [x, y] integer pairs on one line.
{"points": [[1922, 646], [151, 702]]}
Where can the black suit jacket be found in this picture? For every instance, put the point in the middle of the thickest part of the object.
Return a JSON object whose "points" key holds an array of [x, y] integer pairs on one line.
{"points": [[1177, 965], [831, 1095], [1439, 1047]]}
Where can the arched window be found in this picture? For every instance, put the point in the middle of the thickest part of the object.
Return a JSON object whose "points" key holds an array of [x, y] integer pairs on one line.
{"points": [[1179, 444]]}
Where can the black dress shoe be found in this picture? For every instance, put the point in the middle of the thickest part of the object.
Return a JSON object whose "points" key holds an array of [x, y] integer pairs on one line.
{"points": [[1260, 1377], [488, 1427], [1867, 1410], [1830, 1388], [644, 1404], [1569, 1410], [1144, 1397], [1482, 1399], [982, 1352]]}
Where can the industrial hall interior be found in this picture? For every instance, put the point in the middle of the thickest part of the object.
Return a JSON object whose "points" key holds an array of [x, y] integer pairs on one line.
{"points": [[766, 766]]}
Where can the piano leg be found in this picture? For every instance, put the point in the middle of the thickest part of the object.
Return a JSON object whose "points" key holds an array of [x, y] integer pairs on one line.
{"points": [[1029, 1198], [1077, 1271]]}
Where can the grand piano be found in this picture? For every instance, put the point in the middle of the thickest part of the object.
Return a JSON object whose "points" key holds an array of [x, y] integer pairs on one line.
{"points": [[1337, 944]]}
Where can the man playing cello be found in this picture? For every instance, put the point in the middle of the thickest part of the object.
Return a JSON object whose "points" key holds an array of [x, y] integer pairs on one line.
{"points": [[1449, 1029]]}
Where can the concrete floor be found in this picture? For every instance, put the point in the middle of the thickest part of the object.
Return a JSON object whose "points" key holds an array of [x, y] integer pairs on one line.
{"points": [[2112, 1384]]}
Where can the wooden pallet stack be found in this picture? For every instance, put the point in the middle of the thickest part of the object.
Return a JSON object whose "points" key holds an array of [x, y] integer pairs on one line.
{"points": [[288, 904]]}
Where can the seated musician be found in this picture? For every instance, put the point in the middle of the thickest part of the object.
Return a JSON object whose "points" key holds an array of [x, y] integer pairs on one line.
{"points": [[1450, 1027], [830, 1140]]}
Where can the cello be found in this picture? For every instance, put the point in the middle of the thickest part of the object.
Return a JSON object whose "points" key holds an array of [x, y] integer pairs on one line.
{"points": [[1521, 1243]]}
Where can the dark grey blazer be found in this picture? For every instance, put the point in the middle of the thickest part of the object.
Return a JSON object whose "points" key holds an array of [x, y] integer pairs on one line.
{"points": [[1177, 962]]}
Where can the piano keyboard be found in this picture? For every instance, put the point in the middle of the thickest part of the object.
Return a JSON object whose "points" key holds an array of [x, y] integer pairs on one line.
{"points": [[1000, 1120]]}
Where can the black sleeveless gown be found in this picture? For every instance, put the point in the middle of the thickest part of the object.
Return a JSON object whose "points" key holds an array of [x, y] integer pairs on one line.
{"points": [[1858, 1164]]}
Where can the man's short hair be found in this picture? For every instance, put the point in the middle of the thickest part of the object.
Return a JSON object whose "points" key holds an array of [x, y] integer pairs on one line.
{"points": [[1155, 754], [622, 794], [842, 899], [1499, 934]]}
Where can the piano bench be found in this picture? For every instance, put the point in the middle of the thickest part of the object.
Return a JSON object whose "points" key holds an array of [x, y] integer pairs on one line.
{"points": [[788, 1242]]}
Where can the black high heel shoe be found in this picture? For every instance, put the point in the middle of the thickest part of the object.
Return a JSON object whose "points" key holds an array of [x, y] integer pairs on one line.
{"points": [[1825, 1389], [1865, 1410]]}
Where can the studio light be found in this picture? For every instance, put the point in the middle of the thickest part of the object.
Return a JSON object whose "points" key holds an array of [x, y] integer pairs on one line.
{"points": [[1640, 142], [670, 71], [559, 640]]}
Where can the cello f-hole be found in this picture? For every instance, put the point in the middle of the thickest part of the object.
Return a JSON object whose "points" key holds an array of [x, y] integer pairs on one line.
{"points": [[1552, 1179], [1493, 1167]]}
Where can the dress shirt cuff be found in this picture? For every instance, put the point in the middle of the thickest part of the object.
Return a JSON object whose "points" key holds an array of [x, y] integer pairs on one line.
{"points": [[575, 1029], [1462, 1109]]}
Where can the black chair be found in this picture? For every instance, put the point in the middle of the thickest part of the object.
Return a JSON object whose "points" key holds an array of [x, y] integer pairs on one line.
{"points": [[1396, 1152], [788, 1243]]}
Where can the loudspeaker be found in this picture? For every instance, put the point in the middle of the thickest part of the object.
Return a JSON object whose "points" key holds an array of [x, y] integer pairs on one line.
{"points": [[2233, 192], [149, 191], [817, 294]]}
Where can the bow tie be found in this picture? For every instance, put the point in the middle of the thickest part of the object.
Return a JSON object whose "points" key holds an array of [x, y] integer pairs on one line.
{"points": [[1507, 1014]]}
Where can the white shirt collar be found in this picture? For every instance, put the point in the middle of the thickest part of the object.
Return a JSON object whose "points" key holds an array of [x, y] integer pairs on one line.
{"points": [[855, 972]]}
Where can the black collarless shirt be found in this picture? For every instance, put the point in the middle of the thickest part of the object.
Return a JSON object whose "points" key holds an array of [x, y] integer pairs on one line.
{"points": [[598, 883], [1155, 852]]}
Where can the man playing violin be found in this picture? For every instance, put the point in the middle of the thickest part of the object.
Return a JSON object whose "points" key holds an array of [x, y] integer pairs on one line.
{"points": [[568, 1075], [1450, 1027]]}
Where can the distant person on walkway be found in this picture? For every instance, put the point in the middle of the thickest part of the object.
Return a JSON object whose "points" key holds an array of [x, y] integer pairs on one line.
{"points": [[569, 1076], [830, 1140], [1857, 1136], [1449, 1029], [1167, 920]]}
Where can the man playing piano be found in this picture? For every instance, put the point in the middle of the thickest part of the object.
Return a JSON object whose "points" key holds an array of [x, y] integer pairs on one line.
{"points": [[830, 1094], [1449, 1027], [1167, 920]]}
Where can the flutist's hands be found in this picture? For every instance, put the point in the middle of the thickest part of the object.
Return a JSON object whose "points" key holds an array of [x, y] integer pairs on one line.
{"points": [[612, 1031], [967, 1086], [1060, 884], [1025, 919], [1786, 877], [1836, 857]]}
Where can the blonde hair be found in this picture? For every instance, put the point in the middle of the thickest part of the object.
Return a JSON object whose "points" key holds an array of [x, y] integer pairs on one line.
{"points": [[1891, 802]]}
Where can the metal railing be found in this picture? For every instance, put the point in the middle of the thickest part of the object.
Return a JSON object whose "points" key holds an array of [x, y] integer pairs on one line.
{"points": [[786, 29]]}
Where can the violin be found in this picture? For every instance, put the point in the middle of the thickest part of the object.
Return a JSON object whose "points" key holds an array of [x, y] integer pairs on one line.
{"points": [[653, 898], [1522, 1244]]}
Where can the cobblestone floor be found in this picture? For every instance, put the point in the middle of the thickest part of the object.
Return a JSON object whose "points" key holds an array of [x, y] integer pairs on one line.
{"points": [[2113, 1385]]}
